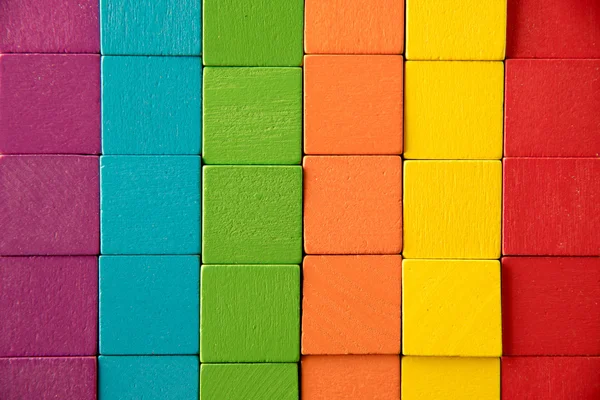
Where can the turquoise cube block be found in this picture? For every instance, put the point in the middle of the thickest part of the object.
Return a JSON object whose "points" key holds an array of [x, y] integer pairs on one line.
{"points": [[151, 105], [157, 27], [148, 378], [150, 204]]}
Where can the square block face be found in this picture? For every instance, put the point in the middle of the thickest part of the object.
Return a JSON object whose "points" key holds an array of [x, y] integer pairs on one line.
{"points": [[252, 215], [252, 115], [353, 104], [250, 313], [451, 308], [454, 110], [49, 103], [151, 105], [48, 378], [350, 377], [148, 378], [354, 27], [49, 205], [54, 26], [150, 204], [452, 209], [353, 205], [236, 32], [351, 305], [550, 378], [149, 304], [553, 29], [551, 207], [249, 381], [166, 27], [552, 108], [550, 306], [455, 29], [450, 378]]}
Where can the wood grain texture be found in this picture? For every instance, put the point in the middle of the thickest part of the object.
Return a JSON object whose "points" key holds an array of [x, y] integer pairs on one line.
{"points": [[552, 108], [454, 110], [452, 209], [350, 377], [551, 378], [49, 306], [48, 378], [351, 304], [250, 313], [252, 214], [150, 204], [550, 306], [49, 103], [553, 29], [252, 115], [249, 381], [49, 205], [551, 206], [353, 104], [53, 26], [354, 27]]}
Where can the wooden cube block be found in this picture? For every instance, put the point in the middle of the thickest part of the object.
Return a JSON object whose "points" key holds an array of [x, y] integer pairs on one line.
{"points": [[249, 381], [150, 204], [252, 214], [51, 26], [550, 378], [250, 313], [552, 108], [550, 306], [551, 206], [148, 378], [149, 305], [454, 110], [452, 209], [451, 308], [351, 305], [166, 27], [252, 115], [354, 27], [553, 29], [455, 29], [352, 205], [353, 105], [150, 105], [49, 103], [350, 377], [450, 378], [49, 205], [253, 32]]}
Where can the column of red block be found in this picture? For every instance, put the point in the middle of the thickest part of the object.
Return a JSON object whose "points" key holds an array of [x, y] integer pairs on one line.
{"points": [[353, 123], [551, 237], [49, 198]]}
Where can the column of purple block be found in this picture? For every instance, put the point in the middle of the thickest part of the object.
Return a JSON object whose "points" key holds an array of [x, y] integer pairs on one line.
{"points": [[49, 198]]}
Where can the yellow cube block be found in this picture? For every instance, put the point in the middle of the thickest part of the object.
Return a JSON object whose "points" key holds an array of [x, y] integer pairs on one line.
{"points": [[451, 308], [455, 29], [453, 110], [452, 209], [446, 378]]}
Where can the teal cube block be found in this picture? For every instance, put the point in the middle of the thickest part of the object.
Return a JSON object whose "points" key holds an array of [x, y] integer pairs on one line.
{"points": [[150, 204], [148, 378], [151, 105], [149, 304]]}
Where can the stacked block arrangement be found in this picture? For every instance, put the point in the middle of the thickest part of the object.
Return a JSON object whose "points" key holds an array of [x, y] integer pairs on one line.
{"points": [[300, 199]]}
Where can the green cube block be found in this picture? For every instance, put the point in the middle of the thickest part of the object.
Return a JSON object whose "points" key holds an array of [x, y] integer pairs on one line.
{"points": [[252, 115], [252, 215], [250, 313], [253, 32]]}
